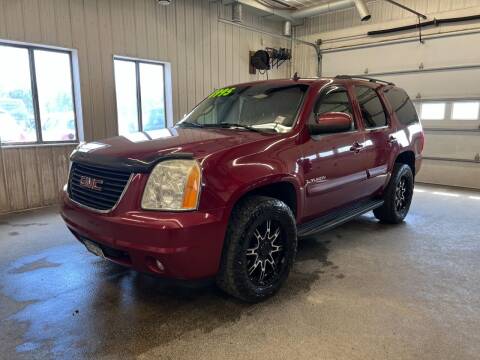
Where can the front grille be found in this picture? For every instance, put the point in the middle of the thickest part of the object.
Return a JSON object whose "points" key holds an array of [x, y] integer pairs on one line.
{"points": [[111, 184]]}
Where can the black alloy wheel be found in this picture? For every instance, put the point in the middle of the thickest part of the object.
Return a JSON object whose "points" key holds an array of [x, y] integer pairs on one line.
{"points": [[259, 248], [265, 255], [398, 196]]}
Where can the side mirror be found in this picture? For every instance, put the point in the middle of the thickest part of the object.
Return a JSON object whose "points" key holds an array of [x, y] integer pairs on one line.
{"points": [[331, 122]]}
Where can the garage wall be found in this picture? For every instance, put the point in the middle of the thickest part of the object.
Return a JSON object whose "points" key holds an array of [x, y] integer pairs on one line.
{"points": [[445, 67], [205, 53]]}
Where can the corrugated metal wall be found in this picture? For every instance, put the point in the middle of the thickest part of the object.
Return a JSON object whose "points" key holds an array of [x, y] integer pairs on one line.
{"points": [[204, 52]]}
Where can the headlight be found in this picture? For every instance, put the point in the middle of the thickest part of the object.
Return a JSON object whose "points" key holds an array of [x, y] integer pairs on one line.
{"points": [[173, 185]]}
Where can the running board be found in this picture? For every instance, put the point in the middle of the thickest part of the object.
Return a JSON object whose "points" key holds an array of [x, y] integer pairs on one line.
{"points": [[337, 218]]}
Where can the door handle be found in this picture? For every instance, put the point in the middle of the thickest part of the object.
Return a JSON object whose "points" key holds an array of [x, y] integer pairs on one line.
{"points": [[392, 140], [356, 147]]}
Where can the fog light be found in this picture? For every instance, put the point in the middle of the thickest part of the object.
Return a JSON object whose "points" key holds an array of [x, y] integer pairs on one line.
{"points": [[159, 265]]}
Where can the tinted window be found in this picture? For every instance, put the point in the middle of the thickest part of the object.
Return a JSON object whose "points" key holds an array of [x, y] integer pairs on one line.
{"points": [[371, 107], [334, 99], [402, 106]]}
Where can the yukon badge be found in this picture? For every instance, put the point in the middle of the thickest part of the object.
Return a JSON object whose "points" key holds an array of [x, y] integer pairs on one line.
{"points": [[317, 180], [91, 183]]}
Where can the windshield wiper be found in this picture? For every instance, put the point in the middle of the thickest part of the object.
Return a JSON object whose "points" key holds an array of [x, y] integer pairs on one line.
{"points": [[190, 124], [235, 125]]}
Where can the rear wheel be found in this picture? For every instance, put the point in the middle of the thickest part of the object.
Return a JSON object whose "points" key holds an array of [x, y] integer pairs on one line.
{"points": [[259, 249], [398, 196]]}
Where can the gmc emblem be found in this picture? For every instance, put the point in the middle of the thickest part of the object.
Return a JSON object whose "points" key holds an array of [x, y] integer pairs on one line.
{"points": [[91, 183]]}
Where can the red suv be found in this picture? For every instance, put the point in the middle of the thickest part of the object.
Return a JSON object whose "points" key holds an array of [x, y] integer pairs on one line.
{"points": [[228, 190]]}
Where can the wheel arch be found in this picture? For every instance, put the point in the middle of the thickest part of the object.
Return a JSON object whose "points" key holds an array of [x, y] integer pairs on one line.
{"points": [[284, 189], [407, 158]]}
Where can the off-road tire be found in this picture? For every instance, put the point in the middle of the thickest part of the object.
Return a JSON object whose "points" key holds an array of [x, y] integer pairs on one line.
{"points": [[246, 217], [390, 212]]}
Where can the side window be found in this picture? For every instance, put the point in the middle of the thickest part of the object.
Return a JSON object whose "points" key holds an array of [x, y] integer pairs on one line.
{"points": [[402, 106], [371, 107], [335, 99]]}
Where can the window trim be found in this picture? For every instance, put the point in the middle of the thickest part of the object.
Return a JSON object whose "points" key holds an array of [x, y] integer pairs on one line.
{"points": [[167, 88], [78, 119]]}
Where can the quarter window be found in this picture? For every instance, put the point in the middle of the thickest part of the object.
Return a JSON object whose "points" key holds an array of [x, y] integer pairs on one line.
{"points": [[371, 107], [402, 106], [36, 96], [140, 91]]}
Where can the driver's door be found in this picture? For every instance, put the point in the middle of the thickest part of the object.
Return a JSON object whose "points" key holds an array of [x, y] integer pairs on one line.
{"points": [[333, 165]]}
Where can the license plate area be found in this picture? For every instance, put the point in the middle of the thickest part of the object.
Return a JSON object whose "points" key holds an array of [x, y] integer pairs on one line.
{"points": [[93, 248]]}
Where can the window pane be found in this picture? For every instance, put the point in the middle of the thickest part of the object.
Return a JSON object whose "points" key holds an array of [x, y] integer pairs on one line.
{"points": [[17, 119], [126, 90], [153, 97], [55, 100], [465, 110], [334, 100], [433, 111], [372, 109], [402, 106]]}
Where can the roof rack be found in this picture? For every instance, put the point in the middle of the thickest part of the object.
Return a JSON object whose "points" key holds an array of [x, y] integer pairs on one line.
{"points": [[347, 77]]}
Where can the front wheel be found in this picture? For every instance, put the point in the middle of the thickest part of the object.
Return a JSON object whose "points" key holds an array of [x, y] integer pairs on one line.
{"points": [[259, 249], [398, 196]]}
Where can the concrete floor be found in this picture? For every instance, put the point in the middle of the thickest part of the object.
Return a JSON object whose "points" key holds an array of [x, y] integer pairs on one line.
{"points": [[362, 291]]}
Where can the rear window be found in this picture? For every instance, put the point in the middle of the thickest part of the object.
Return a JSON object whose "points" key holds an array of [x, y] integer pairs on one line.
{"points": [[402, 106]]}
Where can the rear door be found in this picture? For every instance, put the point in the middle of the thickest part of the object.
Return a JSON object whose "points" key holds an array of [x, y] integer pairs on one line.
{"points": [[379, 143]]}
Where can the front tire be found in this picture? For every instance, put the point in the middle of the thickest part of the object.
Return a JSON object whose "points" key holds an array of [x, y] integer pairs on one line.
{"points": [[398, 196], [259, 250]]}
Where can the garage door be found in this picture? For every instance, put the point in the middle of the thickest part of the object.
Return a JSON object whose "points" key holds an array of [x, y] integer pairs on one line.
{"points": [[441, 75]]}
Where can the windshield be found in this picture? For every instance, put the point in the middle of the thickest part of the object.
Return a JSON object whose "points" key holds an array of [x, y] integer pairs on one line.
{"points": [[255, 107]]}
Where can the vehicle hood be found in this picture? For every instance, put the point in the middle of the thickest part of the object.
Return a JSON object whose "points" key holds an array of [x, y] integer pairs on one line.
{"points": [[148, 147]]}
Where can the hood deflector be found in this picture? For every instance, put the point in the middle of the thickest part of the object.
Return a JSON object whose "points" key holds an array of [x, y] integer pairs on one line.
{"points": [[127, 165]]}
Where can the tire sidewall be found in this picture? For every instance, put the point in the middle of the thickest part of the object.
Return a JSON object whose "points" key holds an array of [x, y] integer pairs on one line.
{"points": [[269, 210], [403, 171]]}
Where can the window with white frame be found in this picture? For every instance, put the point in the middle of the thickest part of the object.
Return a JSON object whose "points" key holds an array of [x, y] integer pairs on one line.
{"points": [[449, 110], [465, 110], [140, 90], [37, 103], [432, 111]]}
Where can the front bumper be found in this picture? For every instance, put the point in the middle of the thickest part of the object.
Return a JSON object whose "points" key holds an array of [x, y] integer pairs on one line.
{"points": [[188, 244]]}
